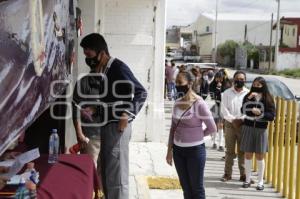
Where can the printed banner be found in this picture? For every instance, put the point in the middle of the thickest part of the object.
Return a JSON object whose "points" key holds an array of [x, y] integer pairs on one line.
{"points": [[36, 58]]}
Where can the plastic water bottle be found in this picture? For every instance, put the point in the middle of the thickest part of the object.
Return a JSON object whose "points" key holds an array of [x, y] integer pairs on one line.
{"points": [[53, 147]]}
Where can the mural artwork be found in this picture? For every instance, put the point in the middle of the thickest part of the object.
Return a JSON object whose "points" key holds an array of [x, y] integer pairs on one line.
{"points": [[36, 50]]}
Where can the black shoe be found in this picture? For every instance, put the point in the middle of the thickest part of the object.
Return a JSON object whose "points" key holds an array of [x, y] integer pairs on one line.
{"points": [[221, 149], [226, 178], [243, 179], [246, 185], [260, 187], [214, 146]]}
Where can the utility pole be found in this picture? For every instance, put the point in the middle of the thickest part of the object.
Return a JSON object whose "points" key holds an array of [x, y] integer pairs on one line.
{"points": [[271, 50], [216, 27], [277, 35], [245, 34]]}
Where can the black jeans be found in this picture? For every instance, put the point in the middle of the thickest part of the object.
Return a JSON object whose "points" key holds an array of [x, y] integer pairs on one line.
{"points": [[190, 163]]}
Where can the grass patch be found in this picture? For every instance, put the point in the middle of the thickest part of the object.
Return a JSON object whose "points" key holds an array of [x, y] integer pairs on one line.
{"points": [[287, 72], [163, 183]]}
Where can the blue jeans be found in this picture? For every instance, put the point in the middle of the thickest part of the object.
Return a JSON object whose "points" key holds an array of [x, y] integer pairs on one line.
{"points": [[190, 163], [171, 90]]}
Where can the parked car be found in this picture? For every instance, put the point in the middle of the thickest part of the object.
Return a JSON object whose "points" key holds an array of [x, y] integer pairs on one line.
{"points": [[276, 88], [191, 58], [175, 55], [203, 66]]}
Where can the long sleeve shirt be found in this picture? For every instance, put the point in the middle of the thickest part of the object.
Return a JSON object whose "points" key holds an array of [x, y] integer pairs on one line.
{"points": [[169, 71], [231, 103], [196, 123], [114, 93], [201, 87], [216, 92]]}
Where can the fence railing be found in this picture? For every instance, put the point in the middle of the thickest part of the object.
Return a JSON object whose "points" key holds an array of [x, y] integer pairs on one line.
{"points": [[283, 157]]}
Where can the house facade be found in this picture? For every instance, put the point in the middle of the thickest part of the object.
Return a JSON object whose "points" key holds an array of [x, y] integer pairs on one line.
{"points": [[289, 50], [173, 38]]}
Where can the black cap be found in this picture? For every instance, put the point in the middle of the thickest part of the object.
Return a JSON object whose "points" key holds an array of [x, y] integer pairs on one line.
{"points": [[95, 42]]}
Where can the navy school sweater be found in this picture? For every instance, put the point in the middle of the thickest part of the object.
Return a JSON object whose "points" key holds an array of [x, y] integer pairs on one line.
{"points": [[268, 112], [114, 93]]}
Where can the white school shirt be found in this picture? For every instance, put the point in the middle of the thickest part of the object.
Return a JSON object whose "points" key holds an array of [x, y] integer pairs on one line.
{"points": [[231, 103]]}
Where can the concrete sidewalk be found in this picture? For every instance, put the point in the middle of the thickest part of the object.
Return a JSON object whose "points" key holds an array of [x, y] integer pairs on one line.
{"points": [[148, 159]]}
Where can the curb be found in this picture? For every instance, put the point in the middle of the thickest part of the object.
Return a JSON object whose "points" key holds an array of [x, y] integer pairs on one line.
{"points": [[142, 187]]}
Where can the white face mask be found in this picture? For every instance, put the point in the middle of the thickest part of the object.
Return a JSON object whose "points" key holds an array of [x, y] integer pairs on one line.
{"points": [[205, 77]]}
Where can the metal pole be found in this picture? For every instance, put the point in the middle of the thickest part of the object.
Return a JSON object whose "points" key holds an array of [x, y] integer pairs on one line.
{"points": [[216, 27], [245, 33], [277, 36], [286, 168], [276, 142], [281, 145], [271, 50], [293, 171]]}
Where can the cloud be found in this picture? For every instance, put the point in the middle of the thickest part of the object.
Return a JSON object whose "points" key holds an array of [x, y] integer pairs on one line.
{"points": [[184, 12]]}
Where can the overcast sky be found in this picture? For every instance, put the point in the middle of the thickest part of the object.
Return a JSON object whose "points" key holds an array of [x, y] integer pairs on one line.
{"points": [[184, 12]]}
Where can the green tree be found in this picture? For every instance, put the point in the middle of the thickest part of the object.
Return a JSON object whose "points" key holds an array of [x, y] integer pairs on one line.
{"points": [[252, 53], [227, 49]]}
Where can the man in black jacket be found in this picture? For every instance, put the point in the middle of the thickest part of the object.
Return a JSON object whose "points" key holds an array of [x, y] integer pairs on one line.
{"points": [[121, 97]]}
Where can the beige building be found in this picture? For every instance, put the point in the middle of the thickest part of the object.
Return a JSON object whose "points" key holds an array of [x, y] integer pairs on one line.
{"points": [[173, 38], [229, 27]]}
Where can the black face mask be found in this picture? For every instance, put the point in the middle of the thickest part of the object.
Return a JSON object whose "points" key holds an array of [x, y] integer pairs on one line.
{"points": [[257, 89], [239, 83], [182, 90], [92, 62]]}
